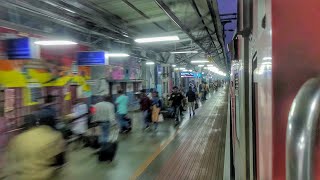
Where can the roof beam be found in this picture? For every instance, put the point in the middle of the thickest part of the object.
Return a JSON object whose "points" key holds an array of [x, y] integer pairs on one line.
{"points": [[215, 24], [195, 7], [142, 14], [176, 20]]}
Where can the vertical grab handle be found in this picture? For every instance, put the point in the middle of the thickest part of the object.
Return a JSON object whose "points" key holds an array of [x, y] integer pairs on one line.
{"points": [[301, 131]]}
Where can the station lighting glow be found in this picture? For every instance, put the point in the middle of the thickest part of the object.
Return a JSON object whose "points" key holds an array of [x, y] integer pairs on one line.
{"points": [[200, 65], [182, 68], [149, 63], [199, 61], [157, 39], [267, 58], [174, 65], [216, 71], [55, 43], [210, 65], [116, 55], [183, 52]]}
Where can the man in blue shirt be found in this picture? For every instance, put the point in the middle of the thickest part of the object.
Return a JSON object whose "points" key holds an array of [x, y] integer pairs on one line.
{"points": [[122, 110]]}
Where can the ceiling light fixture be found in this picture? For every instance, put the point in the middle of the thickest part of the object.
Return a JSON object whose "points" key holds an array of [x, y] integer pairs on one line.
{"points": [[157, 39], [149, 63], [200, 65], [183, 52], [116, 55], [55, 43], [200, 61], [173, 65]]}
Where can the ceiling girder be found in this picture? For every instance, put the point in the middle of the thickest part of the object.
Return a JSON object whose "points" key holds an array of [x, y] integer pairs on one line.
{"points": [[176, 20], [195, 7], [143, 14], [215, 24]]}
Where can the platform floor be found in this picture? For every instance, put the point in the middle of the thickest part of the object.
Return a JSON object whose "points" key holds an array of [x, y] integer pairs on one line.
{"points": [[195, 150]]}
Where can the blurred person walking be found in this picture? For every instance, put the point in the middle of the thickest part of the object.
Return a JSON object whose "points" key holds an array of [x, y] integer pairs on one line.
{"points": [[36, 153], [145, 107], [191, 95], [156, 108], [105, 116], [122, 102]]}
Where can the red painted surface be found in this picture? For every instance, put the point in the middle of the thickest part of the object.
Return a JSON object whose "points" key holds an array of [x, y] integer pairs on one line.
{"points": [[62, 54], [296, 59]]}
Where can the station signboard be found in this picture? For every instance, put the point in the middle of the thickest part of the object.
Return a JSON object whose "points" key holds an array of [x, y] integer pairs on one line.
{"points": [[22, 48], [187, 74], [91, 58]]}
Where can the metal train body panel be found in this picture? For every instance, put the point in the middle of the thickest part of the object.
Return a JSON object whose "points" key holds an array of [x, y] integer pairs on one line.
{"points": [[282, 56]]}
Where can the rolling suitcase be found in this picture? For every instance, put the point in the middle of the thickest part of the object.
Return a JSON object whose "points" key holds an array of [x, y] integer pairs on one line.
{"points": [[109, 149], [129, 123]]}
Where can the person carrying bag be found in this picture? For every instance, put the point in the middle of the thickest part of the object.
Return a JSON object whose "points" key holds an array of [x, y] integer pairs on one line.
{"points": [[156, 108]]}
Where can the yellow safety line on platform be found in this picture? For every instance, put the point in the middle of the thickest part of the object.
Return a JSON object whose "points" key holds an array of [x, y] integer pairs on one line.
{"points": [[151, 158]]}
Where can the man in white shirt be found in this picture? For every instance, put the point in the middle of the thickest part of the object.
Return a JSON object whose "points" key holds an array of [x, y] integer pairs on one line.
{"points": [[105, 116]]}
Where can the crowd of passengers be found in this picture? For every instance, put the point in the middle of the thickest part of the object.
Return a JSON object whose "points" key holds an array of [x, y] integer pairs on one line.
{"points": [[38, 151]]}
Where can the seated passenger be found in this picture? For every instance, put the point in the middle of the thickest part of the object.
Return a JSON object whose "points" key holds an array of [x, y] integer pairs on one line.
{"points": [[35, 153]]}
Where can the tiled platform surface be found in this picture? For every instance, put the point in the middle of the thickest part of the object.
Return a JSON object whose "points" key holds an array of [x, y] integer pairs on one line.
{"points": [[197, 152]]}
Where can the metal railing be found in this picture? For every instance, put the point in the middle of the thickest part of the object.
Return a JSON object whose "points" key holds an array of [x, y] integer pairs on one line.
{"points": [[301, 131]]}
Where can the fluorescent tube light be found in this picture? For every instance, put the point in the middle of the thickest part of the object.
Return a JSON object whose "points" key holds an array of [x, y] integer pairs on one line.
{"points": [[53, 43], [116, 55], [210, 65], [174, 65], [200, 61], [183, 52], [200, 65], [157, 39], [149, 63]]}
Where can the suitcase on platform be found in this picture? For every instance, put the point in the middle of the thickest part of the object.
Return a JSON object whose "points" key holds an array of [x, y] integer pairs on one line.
{"points": [[109, 149]]}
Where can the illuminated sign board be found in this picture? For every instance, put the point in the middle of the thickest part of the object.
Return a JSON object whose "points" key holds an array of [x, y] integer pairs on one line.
{"points": [[91, 58], [187, 74], [22, 48]]}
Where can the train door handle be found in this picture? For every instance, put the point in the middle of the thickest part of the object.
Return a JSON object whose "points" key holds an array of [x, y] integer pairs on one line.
{"points": [[301, 131]]}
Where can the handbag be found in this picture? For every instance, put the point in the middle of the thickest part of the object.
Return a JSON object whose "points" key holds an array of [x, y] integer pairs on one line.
{"points": [[161, 119], [196, 106]]}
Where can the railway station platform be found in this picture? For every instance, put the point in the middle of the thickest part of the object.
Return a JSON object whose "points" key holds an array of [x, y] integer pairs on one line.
{"points": [[195, 150]]}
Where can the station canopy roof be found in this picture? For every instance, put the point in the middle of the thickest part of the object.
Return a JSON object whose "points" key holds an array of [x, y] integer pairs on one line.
{"points": [[114, 25]]}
